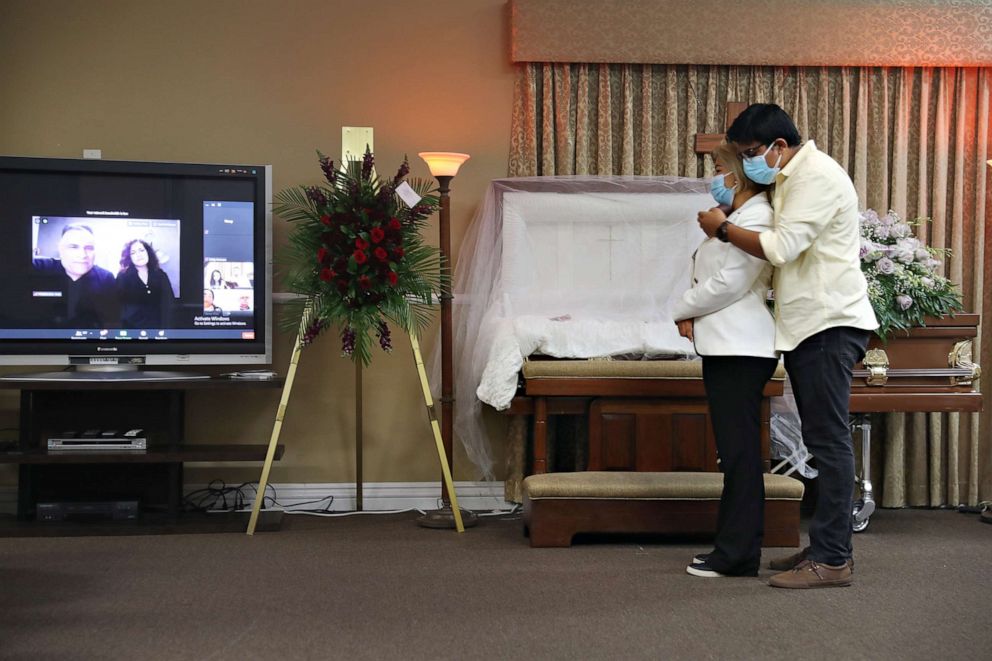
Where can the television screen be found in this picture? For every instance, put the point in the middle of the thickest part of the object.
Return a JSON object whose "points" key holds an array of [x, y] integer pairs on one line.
{"points": [[158, 263]]}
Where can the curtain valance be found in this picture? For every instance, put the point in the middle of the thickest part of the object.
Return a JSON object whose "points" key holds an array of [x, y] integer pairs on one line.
{"points": [[935, 33]]}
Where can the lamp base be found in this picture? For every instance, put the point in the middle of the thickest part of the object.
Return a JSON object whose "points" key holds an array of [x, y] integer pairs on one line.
{"points": [[445, 518]]}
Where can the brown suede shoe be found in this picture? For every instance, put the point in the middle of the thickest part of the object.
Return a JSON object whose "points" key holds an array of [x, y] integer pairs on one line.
{"points": [[789, 562], [792, 561], [810, 574]]}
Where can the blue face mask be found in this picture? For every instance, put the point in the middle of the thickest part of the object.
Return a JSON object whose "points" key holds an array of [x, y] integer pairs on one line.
{"points": [[757, 169], [721, 193]]}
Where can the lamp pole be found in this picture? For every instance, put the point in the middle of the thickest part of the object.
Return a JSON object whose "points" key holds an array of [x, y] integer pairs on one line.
{"points": [[444, 166], [447, 390]]}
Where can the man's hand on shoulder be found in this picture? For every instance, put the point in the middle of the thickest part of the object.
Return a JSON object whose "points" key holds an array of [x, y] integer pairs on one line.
{"points": [[710, 220]]}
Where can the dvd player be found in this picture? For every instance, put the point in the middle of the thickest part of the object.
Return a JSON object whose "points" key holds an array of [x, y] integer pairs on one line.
{"points": [[86, 444], [97, 440]]}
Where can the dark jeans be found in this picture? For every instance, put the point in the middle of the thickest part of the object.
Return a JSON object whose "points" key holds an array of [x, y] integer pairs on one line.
{"points": [[820, 373], [733, 391]]}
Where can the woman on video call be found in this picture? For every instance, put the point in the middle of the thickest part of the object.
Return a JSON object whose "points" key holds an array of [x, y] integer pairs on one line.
{"points": [[217, 280], [144, 288]]}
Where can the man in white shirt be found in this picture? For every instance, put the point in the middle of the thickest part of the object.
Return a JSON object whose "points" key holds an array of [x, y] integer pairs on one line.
{"points": [[823, 318]]}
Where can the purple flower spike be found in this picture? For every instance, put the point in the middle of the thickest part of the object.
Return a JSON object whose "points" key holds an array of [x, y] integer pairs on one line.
{"points": [[312, 331], [402, 172], [316, 196], [385, 341], [385, 194], [327, 167], [348, 341], [367, 162]]}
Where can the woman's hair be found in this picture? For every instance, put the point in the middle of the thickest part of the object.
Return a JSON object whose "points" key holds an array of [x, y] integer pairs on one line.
{"points": [[126, 262], [726, 154], [218, 280]]}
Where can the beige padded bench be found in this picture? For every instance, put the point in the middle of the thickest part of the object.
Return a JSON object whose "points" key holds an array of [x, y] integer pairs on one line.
{"points": [[559, 505]]}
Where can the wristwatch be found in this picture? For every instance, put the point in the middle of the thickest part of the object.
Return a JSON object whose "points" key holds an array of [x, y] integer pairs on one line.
{"points": [[721, 231]]}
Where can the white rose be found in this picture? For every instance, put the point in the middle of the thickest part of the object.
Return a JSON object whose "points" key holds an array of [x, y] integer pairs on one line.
{"points": [[900, 230], [904, 251]]}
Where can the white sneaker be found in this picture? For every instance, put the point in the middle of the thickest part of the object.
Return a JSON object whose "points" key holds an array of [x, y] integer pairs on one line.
{"points": [[703, 570]]}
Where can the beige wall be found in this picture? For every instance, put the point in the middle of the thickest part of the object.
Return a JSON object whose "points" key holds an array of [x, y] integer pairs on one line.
{"points": [[256, 81]]}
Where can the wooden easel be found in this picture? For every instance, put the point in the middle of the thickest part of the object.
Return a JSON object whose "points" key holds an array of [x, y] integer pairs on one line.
{"points": [[281, 413]]}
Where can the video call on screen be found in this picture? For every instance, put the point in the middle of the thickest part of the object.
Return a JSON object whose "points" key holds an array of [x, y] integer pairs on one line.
{"points": [[120, 257]]}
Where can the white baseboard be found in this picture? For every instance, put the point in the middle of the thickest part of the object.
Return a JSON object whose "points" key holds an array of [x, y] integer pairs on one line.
{"points": [[376, 496]]}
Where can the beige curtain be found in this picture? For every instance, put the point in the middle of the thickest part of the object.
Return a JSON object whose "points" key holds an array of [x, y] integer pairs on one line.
{"points": [[915, 140]]}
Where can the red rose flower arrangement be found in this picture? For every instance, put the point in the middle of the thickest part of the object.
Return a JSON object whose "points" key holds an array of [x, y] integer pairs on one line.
{"points": [[357, 258]]}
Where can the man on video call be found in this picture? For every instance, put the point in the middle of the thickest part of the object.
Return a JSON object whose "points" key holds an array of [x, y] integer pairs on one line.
{"points": [[88, 290]]}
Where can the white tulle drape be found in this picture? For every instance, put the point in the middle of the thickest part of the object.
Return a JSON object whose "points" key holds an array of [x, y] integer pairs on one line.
{"points": [[570, 266]]}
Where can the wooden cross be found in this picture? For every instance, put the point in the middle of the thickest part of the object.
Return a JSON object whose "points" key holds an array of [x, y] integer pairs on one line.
{"points": [[706, 142]]}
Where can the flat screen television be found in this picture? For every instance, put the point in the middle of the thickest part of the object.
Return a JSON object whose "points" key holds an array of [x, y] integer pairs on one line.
{"points": [[113, 265]]}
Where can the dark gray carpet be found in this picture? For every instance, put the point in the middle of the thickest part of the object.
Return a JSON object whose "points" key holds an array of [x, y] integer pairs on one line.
{"points": [[379, 587]]}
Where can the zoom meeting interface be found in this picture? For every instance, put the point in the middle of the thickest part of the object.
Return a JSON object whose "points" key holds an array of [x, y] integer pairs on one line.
{"points": [[123, 259]]}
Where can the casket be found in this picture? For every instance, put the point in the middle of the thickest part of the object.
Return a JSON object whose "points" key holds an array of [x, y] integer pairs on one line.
{"points": [[926, 368], [570, 268]]}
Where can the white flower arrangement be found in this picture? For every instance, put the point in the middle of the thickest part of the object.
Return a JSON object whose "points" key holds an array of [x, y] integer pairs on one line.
{"points": [[903, 283]]}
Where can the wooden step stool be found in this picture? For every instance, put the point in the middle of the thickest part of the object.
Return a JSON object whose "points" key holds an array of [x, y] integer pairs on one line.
{"points": [[559, 505]]}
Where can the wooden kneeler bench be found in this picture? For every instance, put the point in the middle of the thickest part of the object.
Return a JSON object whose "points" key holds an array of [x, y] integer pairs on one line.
{"points": [[636, 415], [559, 505]]}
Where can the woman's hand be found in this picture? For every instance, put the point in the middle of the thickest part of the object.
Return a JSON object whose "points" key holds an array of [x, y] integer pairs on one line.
{"points": [[710, 220], [685, 328]]}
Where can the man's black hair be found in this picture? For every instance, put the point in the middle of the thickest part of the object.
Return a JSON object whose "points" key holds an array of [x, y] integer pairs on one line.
{"points": [[763, 122]]}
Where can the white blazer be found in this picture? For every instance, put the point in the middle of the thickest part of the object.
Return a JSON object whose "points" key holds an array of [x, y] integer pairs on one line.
{"points": [[729, 287]]}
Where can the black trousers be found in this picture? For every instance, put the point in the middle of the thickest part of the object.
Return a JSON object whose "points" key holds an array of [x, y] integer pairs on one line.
{"points": [[733, 391], [820, 373]]}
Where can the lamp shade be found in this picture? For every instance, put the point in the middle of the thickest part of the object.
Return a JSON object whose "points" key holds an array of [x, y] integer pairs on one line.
{"points": [[443, 163]]}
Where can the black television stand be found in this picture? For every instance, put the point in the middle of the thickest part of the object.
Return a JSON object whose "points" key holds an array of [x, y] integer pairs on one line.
{"points": [[153, 477]]}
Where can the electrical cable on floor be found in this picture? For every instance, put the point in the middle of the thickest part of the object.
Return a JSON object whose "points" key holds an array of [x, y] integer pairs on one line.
{"points": [[213, 499], [506, 513], [214, 496], [323, 512], [339, 514]]}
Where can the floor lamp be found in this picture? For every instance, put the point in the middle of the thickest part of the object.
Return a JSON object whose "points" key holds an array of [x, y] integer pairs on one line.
{"points": [[444, 166]]}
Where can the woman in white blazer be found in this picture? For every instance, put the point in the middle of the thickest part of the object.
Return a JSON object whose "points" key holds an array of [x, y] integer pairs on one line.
{"points": [[725, 314]]}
